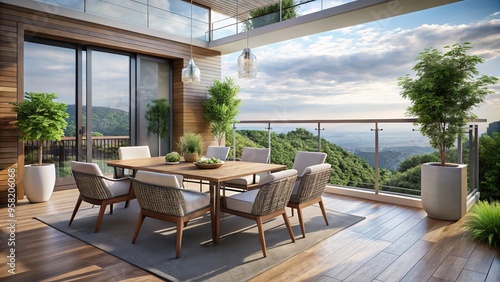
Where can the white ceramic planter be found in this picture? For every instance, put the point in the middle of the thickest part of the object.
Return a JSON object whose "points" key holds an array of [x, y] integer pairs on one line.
{"points": [[444, 190], [39, 182]]}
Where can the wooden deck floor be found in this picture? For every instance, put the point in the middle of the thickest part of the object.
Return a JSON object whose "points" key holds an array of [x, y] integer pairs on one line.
{"points": [[393, 243]]}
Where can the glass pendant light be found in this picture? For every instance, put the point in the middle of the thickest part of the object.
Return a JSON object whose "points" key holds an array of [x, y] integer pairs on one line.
{"points": [[191, 73], [247, 62]]}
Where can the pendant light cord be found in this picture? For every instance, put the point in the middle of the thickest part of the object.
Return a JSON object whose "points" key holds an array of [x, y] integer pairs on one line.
{"points": [[191, 29]]}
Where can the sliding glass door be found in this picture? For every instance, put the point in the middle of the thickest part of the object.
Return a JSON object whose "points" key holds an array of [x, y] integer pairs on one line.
{"points": [[107, 94], [153, 82]]}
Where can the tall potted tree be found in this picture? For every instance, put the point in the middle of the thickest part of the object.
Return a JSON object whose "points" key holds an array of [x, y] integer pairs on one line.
{"points": [[443, 94], [221, 107], [41, 119], [158, 117]]}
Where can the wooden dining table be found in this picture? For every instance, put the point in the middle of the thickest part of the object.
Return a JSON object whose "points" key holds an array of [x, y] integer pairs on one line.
{"points": [[215, 177]]}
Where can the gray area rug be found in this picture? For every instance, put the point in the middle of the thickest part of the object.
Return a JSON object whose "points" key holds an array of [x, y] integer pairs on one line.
{"points": [[238, 256]]}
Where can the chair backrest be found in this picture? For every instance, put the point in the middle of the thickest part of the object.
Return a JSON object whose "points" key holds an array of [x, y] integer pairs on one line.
{"points": [[90, 181], [256, 155], [305, 159], [217, 152], [159, 192], [133, 152], [275, 192], [312, 183], [158, 179]]}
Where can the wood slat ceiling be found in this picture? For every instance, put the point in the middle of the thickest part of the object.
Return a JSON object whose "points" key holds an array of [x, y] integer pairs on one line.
{"points": [[229, 7]]}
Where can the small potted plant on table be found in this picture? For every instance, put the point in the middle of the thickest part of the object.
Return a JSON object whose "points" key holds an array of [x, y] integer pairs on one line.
{"points": [[190, 145]]}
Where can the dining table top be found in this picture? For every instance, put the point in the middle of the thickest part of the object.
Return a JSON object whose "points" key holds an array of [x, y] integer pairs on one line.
{"points": [[229, 170]]}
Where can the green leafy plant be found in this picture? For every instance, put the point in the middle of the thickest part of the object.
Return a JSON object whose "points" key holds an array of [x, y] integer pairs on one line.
{"points": [[271, 14], [444, 93], [172, 157], [483, 223], [40, 118], [222, 107], [158, 117], [190, 143]]}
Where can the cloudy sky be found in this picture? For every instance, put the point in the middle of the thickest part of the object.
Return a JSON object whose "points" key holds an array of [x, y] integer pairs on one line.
{"points": [[352, 73]]}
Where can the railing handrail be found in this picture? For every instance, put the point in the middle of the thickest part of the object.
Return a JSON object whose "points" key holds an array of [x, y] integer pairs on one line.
{"points": [[386, 120]]}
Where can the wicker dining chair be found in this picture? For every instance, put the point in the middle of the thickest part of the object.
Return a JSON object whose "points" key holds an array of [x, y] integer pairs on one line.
{"points": [[160, 196], [97, 189], [266, 202], [305, 159], [308, 190], [131, 152], [248, 182]]}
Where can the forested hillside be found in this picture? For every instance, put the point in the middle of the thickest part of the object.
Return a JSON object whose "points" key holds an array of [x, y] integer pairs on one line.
{"points": [[348, 169], [105, 121]]}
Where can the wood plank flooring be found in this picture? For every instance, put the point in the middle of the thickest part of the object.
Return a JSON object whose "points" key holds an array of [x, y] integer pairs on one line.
{"points": [[393, 243]]}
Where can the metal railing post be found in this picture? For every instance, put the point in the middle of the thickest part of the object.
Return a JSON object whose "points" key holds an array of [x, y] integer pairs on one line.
{"points": [[234, 141], [476, 157], [376, 157], [269, 140], [459, 149], [319, 136]]}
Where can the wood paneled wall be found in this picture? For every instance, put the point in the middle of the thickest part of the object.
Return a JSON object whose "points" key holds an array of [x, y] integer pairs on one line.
{"points": [[16, 23]]}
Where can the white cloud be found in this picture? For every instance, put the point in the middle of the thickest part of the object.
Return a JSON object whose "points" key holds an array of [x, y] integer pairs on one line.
{"points": [[352, 73]]}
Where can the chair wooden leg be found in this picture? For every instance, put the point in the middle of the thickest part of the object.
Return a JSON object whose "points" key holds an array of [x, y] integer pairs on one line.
{"points": [[323, 211], [77, 206], [289, 227], [99, 217], [180, 229], [301, 222], [127, 204], [111, 209], [140, 220], [261, 236], [292, 211], [201, 186]]}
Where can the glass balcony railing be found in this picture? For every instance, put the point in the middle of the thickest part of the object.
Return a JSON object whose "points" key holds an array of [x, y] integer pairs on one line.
{"points": [[171, 16], [378, 155], [268, 15]]}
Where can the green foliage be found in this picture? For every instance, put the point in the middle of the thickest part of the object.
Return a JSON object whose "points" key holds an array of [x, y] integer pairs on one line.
{"points": [[190, 143], [410, 178], [222, 107], [348, 169], [40, 118], [489, 167], [444, 93], [107, 121], [493, 127], [271, 14], [416, 160], [158, 117], [483, 223], [172, 157]]}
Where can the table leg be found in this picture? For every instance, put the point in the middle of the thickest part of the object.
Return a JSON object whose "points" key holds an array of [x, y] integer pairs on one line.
{"points": [[215, 195]]}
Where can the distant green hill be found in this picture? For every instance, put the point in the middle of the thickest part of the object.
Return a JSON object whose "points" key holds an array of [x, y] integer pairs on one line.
{"points": [[348, 169], [107, 121], [390, 158]]}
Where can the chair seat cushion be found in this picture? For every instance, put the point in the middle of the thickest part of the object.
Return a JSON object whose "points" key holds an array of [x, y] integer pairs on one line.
{"points": [[244, 181], [195, 200], [242, 202], [119, 188]]}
